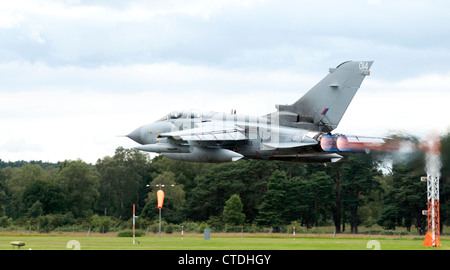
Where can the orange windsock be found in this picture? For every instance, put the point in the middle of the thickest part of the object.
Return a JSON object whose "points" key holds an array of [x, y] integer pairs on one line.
{"points": [[160, 196]]}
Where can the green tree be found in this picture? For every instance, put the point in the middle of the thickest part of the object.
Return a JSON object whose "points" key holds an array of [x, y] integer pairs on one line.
{"points": [[334, 170], [444, 182], [185, 172], [296, 201], [219, 182], [101, 223], [123, 179], [36, 209], [271, 212], [405, 197], [49, 195], [320, 186], [16, 181], [309, 199], [372, 203], [4, 198], [357, 179], [79, 182], [232, 212]]}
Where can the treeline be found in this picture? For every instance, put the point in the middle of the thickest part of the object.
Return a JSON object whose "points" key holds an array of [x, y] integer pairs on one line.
{"points": [[357, 190]]}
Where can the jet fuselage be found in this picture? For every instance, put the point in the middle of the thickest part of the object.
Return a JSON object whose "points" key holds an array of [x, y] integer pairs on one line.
{"points": [[300, 132]]}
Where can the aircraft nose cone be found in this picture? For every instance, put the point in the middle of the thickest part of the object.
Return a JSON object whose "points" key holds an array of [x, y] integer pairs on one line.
{"points": [[136, 135]]}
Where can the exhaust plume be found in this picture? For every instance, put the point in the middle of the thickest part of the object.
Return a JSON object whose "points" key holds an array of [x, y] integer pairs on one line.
{"points": [[432, 155]]}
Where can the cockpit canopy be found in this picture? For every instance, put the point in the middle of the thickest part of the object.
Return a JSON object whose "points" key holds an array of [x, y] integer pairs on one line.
{"points": [[191, 114]]}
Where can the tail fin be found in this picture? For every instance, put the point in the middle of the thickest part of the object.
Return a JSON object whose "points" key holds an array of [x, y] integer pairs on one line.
{"points": [[327, 101]]}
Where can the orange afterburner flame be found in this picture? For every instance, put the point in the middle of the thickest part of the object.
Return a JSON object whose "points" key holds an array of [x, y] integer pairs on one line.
{"points": [[432, 145], [343, 143], [353, 143]]}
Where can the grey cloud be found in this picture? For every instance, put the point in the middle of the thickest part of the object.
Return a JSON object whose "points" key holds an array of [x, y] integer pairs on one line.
{"points": [[18, 145], [267, 35]]}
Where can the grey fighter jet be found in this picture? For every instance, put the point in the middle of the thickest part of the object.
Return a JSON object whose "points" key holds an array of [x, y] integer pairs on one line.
{"points": [[300, 132]]}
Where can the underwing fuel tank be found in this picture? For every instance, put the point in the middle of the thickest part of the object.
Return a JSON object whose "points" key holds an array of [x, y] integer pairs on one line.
{"points": [[202, 154], [342, 143], [165, 148]]}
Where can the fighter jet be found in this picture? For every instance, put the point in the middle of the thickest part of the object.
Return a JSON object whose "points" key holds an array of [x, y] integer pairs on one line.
{"points": [[300, 132]]}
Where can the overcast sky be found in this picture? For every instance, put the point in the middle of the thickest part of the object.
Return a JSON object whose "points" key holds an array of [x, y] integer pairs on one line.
{"points": [[75, 74]]}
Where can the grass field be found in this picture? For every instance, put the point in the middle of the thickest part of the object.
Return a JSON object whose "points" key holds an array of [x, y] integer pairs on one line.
{"points": [[217, 242]]}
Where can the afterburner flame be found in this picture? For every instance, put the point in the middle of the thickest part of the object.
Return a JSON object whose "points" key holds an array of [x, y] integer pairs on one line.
{"points": [[432, 145]]}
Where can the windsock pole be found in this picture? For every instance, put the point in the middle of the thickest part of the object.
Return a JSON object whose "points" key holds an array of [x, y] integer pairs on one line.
{"points": [[160, 197], [159, 223], [134, 216]]}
